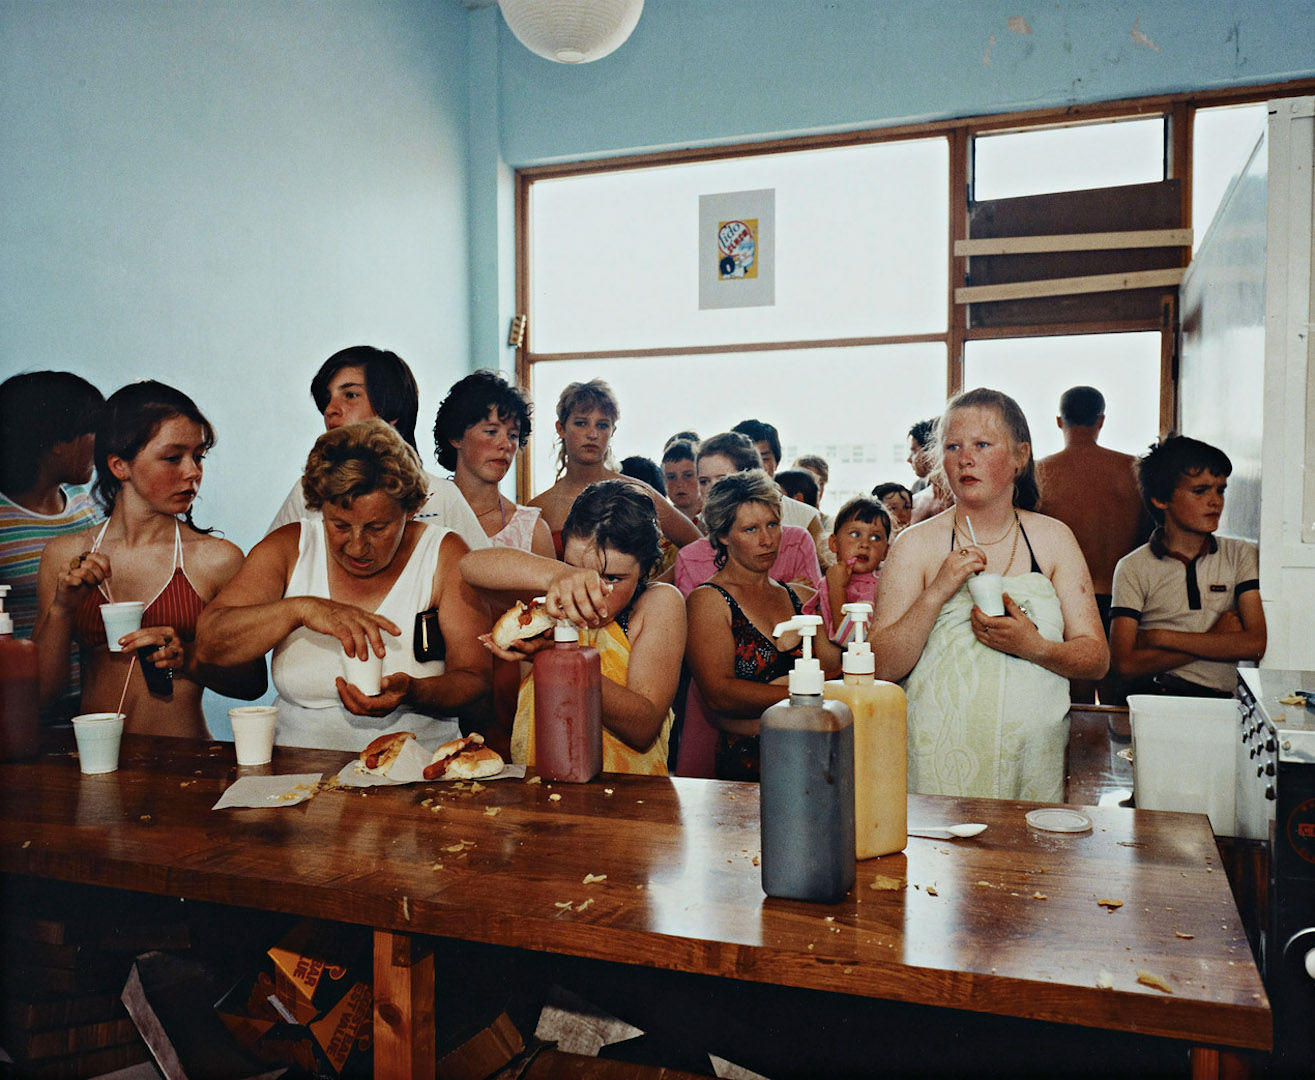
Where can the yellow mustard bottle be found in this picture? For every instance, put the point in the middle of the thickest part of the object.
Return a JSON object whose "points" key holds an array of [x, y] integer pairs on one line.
{"points": [[881, 771]]}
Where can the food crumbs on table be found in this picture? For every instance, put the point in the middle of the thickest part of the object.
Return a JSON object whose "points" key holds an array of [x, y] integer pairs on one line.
{"points": [[608, 791], [882, 881], [535, 780], [589, 879], [931, 890], [564, 905], [492, 811], [810, 947], [849, 971], [639, 802], [145, 817], [585, 904], [476, 786], [1146, 978], [1186, 937], [830, 918], [1292, 699], [27, 843], [437, 866], [406, 909], [1105, 981], [1110, 905], [554, 797], [426, 802], [756, 860], [1040, 896]]}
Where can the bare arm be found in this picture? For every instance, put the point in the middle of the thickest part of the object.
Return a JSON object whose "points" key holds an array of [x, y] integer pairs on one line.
{"points": [[59, 592], [1236, 636], [634, 712], [541, 541], [570, 592], [251, 615], [1132, 659], [711, 656], [913, 590]]}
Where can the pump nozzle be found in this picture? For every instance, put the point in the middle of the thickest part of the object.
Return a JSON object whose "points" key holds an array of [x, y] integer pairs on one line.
{"points": [[806, 675], [858, 658]]}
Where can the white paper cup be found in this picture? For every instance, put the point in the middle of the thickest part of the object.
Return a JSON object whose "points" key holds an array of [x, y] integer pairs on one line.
{"points": [[98, 736], [988, 592], [122, 618], [365, 674], [253, 733]]}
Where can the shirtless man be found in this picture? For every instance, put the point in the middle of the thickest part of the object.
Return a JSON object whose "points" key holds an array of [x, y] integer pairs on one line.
{"points": [[1094, 492]]}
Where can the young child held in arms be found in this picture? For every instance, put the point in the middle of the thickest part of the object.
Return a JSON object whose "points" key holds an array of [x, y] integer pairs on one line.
{"points": [[1186, 605], [859, 540]]}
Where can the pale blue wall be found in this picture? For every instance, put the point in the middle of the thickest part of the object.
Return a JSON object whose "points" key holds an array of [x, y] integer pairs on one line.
{"points": [[220, 194], [709, 71]]}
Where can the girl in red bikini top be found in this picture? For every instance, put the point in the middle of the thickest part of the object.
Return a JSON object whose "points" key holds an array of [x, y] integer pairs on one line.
{"points": [[150, 443]]}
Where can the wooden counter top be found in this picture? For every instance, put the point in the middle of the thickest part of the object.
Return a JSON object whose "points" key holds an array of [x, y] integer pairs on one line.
{"points": [[1006, 923]]}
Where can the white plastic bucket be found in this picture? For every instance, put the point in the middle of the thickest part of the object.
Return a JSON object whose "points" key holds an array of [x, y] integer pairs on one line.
{"points": [[1183, 756]]}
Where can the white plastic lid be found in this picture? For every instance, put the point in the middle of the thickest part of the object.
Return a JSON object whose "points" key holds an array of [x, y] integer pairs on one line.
{"points": [[6, 620], [806, 676], [565, 630]]}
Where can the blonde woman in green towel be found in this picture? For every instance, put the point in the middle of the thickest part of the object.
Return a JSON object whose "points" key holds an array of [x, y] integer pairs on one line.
{"points": [[988, 696]]}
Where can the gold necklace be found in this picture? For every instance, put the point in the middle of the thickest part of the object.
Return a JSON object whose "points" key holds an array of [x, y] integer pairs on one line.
{"points": [[1016, 529], [967, 539]]}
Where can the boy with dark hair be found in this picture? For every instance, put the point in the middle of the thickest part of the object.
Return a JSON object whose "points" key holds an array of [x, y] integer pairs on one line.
{"points": [[1186, 605], [681, 477], [765, 437], [798, 484]]}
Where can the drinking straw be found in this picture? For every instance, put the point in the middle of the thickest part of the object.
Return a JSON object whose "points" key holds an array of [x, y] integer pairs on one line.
{"points": [[970, 527], [132, 660]]}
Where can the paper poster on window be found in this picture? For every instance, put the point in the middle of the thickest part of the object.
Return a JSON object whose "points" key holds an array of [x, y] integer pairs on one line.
{"points": [[736, 249]]}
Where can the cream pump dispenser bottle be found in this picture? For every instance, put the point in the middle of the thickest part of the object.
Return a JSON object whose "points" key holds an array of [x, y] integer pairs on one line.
{"points": [[881, 772], [806, 750]]}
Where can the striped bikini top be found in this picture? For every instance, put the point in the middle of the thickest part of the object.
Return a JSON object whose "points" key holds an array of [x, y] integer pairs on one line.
{"points": [[178, 604]]}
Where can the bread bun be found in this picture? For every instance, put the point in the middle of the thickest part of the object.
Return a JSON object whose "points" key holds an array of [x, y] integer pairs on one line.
{"points": [[464, 759], [378, 757], [520, 623]]}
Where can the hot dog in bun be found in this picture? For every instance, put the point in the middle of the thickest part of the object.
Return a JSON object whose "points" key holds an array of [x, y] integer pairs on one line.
{"points": [[464, 759], [378, 757], [521, 623]]}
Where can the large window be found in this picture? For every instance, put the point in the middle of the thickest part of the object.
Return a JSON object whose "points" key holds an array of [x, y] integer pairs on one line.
{"points": [[877, 312]]}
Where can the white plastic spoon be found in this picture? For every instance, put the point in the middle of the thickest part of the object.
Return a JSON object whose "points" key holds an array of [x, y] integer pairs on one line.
{"points": [[949, 832]]}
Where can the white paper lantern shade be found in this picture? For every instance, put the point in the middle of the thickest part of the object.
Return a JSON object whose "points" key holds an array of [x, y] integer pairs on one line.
{"points": [[571, 31]]}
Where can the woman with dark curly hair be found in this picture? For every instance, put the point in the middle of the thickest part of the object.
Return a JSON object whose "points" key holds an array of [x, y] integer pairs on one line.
{"points": [[480, 426], [739, 668], [150, 443], [638, 626], [349, 582]]}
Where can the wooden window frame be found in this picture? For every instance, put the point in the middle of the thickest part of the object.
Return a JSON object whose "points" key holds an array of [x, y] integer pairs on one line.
{"points": [[1178, 110]]}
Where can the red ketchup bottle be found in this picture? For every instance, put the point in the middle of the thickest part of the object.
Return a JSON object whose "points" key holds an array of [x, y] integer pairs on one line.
{"points": [[568, 708], [20, 730]]}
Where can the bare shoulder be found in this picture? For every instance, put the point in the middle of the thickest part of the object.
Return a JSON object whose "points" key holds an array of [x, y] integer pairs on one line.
{"points": [[661, 599], [927, 541], [66, 545], [546, 499], [452, 547], [1046, 529]]}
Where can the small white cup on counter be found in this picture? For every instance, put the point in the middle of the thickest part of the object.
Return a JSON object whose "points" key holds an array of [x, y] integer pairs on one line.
{"points": [[98, 736], [253, 733]]}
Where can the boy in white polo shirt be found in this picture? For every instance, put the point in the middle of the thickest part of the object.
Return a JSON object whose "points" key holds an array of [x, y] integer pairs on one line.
{"points": [[1186, 606]]}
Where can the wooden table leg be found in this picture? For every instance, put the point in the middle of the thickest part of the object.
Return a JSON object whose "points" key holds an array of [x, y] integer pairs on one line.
{"points": [[1211, 1064], [403, 1007]]}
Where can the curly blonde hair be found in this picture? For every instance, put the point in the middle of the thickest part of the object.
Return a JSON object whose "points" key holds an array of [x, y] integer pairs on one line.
{"points": [[723, 502], [359, 459]]}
